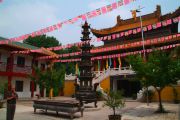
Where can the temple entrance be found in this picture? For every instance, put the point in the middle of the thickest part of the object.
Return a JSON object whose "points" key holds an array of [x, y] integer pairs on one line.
{"points": [[129, 87], [127, 84]]}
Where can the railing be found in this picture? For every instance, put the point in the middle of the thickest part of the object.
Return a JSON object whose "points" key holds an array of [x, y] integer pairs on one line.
{"points": [[23, 69], [4, 67], [70, 77], [101, 75]]}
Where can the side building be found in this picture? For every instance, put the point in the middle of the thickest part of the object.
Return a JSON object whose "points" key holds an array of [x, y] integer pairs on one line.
{"points": [[15, 68]]}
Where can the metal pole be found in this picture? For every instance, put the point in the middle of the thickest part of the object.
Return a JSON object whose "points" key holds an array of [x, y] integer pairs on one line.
{"points": [[144, 53]]}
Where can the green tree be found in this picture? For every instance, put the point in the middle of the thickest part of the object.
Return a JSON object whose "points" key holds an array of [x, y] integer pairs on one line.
{"points": [[42, 41], [54, 79], [46, 41], [49, 79], [160, 70]]}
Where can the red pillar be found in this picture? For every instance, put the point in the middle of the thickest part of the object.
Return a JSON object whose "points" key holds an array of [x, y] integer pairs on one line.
{"points": [[10, 64], [32, 89], [32, 82], [9, 82]]}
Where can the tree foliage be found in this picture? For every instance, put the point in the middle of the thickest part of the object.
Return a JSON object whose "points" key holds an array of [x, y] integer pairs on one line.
{"points": [[159, 70], [54, 78], [42, 41]]}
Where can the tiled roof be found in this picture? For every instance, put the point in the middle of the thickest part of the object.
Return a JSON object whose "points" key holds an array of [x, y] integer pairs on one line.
{"points": [[21, 45]]}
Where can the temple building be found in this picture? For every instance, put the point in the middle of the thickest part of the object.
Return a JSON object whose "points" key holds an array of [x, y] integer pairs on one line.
{"points": [[15, 68], [111, 69], [126, 32]]}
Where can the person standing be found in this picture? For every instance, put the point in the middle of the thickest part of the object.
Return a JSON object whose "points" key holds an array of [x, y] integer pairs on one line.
{"points": [[11, 104]]}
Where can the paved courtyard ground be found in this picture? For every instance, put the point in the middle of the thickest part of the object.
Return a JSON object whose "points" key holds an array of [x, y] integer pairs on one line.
{"points": [[132, 111]]}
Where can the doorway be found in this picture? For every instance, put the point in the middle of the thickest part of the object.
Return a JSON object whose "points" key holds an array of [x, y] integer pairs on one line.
{"points": [[129, 87]]}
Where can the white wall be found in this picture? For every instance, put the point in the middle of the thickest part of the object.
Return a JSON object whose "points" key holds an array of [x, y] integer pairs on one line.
{"points": [[4, 55], [28, 59], [26, 93]]}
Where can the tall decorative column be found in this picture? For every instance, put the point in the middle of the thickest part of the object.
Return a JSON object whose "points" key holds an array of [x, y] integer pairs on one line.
{"points": [[86, 93]]}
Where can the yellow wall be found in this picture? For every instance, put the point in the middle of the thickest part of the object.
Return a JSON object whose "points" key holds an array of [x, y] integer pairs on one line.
{"points": [[69, 88], [167, 94], [105, 84]]}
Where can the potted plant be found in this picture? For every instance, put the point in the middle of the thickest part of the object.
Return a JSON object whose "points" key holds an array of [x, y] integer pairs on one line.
{"points": [[114, 100]]}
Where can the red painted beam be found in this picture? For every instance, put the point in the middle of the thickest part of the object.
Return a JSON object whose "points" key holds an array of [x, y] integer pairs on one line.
{"points": [[13, 74]]}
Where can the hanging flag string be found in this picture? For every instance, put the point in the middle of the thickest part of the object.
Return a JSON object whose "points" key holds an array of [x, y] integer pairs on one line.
{"points": [[114, 36], [83, 17], [122, 54], [153, 41]]}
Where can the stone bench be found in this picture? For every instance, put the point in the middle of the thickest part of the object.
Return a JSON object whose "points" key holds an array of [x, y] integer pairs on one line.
{"points": [[66, 106]]}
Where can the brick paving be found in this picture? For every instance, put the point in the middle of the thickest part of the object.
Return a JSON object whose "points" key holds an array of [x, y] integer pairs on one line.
{"points": [[132, 111]]}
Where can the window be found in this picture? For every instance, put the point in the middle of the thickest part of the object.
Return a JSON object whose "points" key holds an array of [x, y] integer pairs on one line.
{"points": [[42, 66], [20, 61], [36, 63], [34, 86], [19, 86]]}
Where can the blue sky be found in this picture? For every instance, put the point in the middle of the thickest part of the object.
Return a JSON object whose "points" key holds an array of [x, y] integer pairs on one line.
{"points": [[18, 17]]}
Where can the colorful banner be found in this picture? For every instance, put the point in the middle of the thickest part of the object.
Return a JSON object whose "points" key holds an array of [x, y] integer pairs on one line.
{"points": [[88, 15]]}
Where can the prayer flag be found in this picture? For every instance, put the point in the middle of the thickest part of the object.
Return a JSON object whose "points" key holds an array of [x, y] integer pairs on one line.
{"points": [[169, 22], [104, 10], [149, 27], [114, 5], [158, 24], [98, 11], [109, 8], [126, 2], [120, 3], [83, 17]]}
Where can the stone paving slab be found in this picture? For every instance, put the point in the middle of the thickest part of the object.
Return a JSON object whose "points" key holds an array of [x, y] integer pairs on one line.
{"points": [[132, 111]]}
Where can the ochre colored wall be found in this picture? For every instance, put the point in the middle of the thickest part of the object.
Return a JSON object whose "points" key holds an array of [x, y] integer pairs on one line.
{"points": [[105, 84], [167, 94], [69, 88]]}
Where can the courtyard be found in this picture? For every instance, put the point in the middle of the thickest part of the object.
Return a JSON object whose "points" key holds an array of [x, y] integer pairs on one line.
{"points": [[132, 111]]}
